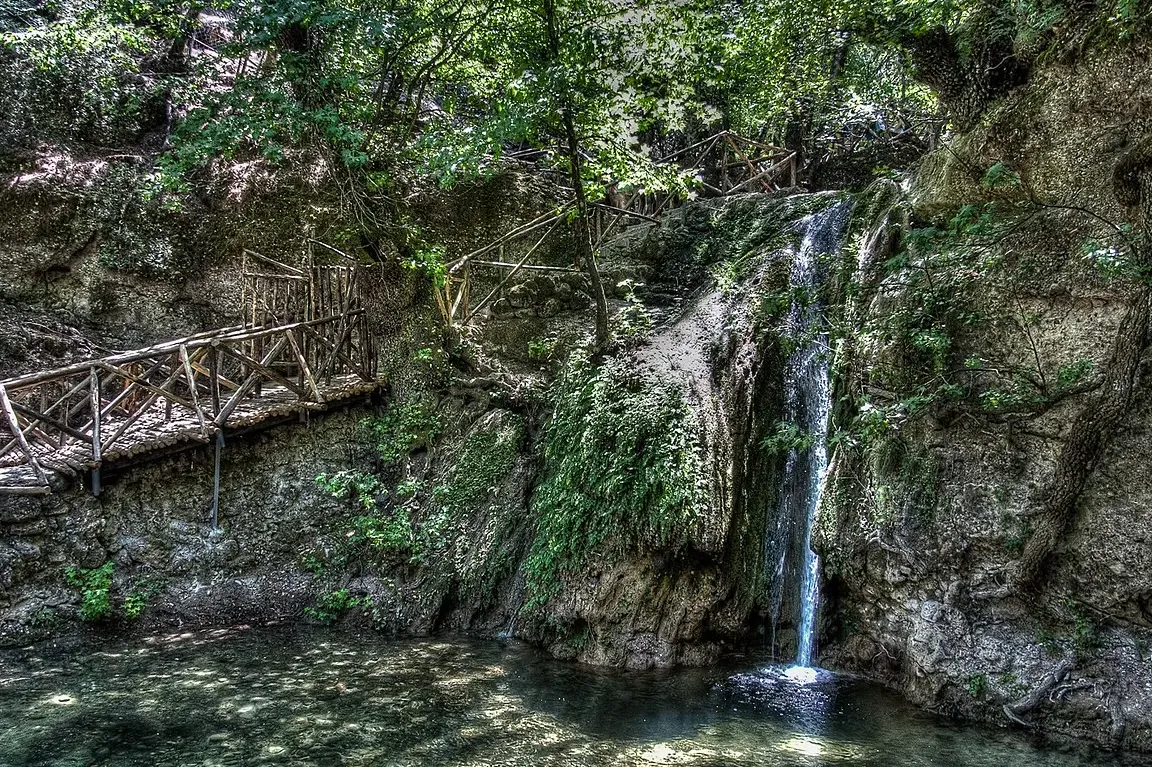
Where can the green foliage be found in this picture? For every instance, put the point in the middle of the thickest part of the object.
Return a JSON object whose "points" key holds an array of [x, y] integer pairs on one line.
{"points": [[357, 485], [391, 535], [429, 261], [1019, 395], [632, 323], [75, 75], [45, 618], [542, 348], [623, 471], [787, 438], [780, 64], [1000, 176], [314, 564], [1068, 376], [138, 598], [1112, 260], [944, 277], [95, 587], [726, 275], [96, 602], [977, 686], [331, 605], [404, 427], [343, 75]]}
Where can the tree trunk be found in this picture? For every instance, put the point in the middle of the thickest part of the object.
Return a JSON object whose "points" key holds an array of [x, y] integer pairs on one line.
{"points": [[585, 252], [1092, 430]]}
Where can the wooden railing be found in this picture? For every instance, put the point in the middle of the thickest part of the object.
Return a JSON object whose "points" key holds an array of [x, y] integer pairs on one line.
{"points": [[76, 418]]}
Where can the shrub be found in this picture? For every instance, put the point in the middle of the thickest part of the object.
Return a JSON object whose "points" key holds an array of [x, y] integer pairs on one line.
{"points": [[95, 590], [329, 607]]}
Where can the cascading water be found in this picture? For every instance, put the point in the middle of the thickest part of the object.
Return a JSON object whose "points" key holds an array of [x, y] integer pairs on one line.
{"points": [[807, 406]]}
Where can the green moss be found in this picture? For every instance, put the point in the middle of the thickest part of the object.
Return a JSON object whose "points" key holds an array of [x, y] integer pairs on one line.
{"points": [[977, 686], [623, 471], [1086, 639], [485, 460]]}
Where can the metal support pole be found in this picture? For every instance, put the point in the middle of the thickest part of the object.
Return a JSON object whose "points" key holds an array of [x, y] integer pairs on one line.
{"points": [[216, 481], [96, 403]]}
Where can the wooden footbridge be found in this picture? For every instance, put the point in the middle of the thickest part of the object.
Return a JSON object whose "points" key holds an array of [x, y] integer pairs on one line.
{"points": [[304, 343], [723, 164]]}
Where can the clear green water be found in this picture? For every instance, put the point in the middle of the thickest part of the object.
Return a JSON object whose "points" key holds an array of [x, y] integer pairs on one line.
{"points": [[281, 696]]}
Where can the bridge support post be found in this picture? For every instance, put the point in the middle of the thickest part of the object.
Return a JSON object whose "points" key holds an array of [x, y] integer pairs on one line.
{"points": [[216, 480], [96, 404]]}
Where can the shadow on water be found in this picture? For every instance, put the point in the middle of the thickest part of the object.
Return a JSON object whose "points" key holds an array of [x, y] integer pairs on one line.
{"points": [[280, 696]]}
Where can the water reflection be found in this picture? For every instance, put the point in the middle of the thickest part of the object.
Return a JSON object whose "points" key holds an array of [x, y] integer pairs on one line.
{"points": [[278, 696]]}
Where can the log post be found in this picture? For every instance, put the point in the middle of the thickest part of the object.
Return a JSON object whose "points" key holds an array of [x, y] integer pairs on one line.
{"points": [[10, 414]]}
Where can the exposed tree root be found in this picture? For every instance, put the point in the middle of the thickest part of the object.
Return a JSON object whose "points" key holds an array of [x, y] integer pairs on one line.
{"points": [[1038, 695]]}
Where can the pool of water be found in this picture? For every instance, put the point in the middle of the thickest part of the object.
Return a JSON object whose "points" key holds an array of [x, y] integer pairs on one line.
{"points": [[288, 696]]}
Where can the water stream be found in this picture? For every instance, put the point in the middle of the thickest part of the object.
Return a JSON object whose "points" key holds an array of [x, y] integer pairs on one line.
{"points": [[807, 406], [292, 696]]}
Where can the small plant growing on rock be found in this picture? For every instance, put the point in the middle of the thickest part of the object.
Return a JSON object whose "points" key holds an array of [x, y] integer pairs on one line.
{"points": [[393, 535], [313, 564], [329, 607], [977, 685], [632, 323], [403, 428], [95, 590], [361, 487], [139, 597], [542, 349], [788, 437], [45, 618]]}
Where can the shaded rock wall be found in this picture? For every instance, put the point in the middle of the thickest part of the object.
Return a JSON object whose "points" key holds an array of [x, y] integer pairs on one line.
{"points": [[154, 522]]}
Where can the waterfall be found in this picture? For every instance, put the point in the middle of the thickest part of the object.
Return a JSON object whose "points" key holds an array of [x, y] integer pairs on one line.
{"points": [[807, 407]]}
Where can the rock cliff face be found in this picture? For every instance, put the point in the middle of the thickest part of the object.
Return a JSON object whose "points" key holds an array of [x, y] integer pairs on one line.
{"points": [[430, 509], [983, 356]]}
